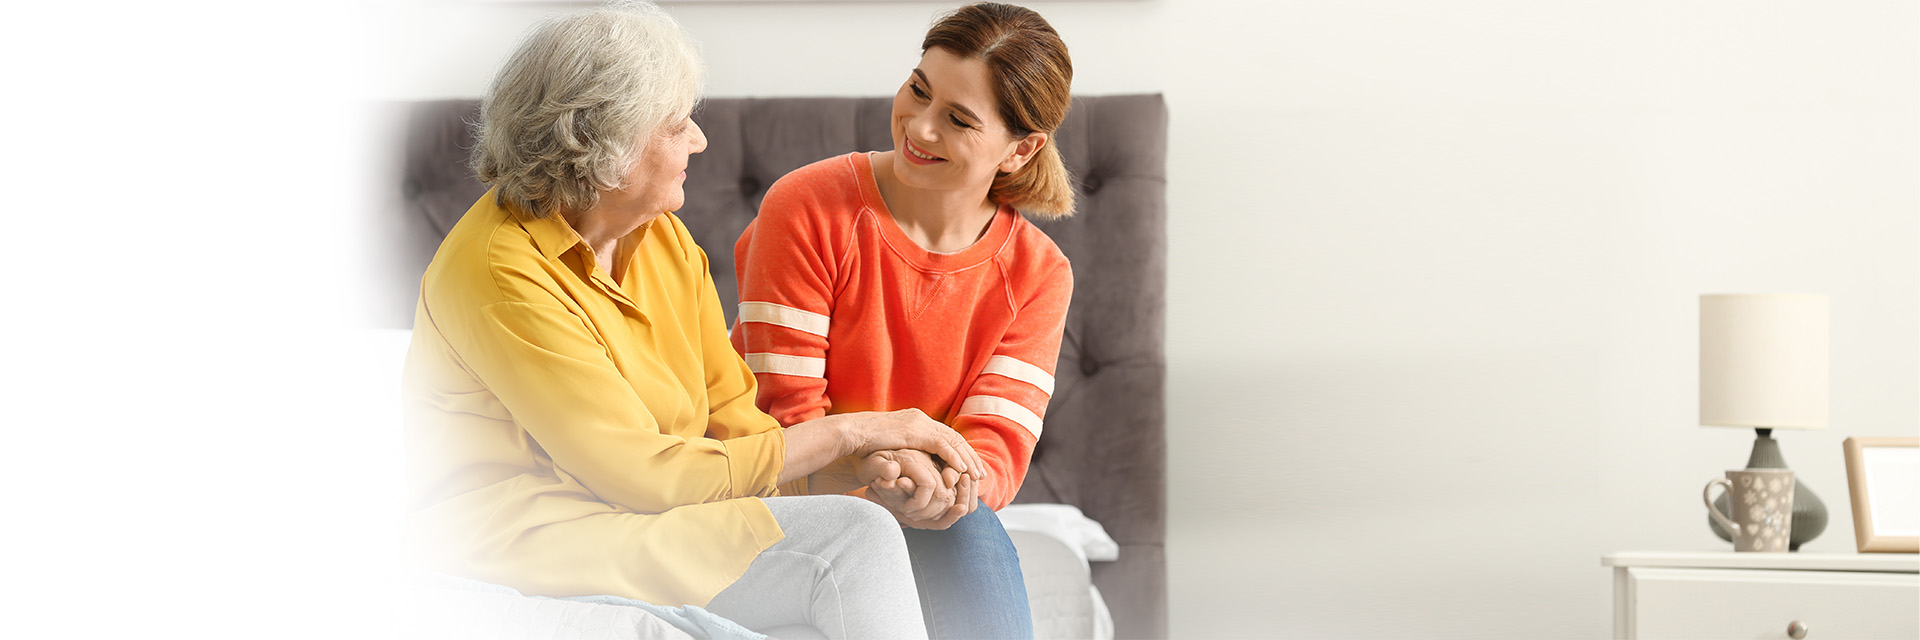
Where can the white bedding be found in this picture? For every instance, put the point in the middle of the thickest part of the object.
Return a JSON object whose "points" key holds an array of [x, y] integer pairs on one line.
{"points": [[1057, 545]]}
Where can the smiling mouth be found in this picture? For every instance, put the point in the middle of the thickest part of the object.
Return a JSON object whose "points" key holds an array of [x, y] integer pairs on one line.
{"points": [[917, 153]]}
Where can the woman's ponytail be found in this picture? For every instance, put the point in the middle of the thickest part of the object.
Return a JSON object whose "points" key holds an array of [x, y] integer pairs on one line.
{"points": [[1042, 188]]}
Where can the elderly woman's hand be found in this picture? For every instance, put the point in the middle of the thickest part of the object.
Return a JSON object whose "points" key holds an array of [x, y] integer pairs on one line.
{"points": [[814, 444], [911, 429]]}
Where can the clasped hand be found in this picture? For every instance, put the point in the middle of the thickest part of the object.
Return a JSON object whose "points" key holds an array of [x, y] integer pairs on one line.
{"points": [[920, 491]]}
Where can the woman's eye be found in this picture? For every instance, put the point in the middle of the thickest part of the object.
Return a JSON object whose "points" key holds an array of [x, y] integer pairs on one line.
{"points": [[917, 93], [959, 123]]}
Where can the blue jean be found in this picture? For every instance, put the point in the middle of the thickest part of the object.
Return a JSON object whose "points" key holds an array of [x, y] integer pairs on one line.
{"points": [[969, 580]]}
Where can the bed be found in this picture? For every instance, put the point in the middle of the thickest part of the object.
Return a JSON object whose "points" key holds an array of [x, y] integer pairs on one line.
{"points": [[1104, 449]]}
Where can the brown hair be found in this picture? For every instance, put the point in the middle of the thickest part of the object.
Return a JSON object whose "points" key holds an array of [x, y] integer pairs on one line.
{"points": [[1032, 78]]}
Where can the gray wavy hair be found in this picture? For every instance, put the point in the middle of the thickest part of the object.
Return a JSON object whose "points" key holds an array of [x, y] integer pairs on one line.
{"points": [[566, 117]]}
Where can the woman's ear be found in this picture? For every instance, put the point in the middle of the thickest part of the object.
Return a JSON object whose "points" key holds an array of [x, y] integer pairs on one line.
{"points": [[1023, 150]]}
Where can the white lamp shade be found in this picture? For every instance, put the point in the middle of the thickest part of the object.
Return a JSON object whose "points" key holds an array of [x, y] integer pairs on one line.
{"points": [[1763, 360]]}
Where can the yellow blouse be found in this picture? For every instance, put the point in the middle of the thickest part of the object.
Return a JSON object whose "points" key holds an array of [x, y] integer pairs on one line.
{"points": [[568, 434]]}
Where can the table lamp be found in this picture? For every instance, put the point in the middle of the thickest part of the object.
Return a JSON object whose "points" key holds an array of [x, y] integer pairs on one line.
{"points": [[1763, 365]]}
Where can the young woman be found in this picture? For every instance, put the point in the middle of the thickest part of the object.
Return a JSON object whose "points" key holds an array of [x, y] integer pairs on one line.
{"points": [[907, 279]]}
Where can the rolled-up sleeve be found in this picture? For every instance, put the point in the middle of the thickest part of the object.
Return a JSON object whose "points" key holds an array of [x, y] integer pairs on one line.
{"points": [[560, 385]]}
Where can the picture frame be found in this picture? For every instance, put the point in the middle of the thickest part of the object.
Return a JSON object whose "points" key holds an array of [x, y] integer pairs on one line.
{"points": [[1883, 478]]}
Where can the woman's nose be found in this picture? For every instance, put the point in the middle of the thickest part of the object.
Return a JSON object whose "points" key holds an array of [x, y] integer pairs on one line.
{"points": [[699, 139], [921, 124]]}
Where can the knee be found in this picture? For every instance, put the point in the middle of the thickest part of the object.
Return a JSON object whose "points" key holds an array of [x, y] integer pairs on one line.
{"points": [[860, 515], [863, 528], [981, 523]]}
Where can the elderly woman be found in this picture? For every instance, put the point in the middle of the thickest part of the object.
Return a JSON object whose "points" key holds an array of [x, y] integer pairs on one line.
{"points": [[908, 279], [577, 421]]}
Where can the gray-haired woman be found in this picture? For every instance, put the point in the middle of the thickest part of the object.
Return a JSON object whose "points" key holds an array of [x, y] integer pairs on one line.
{"points": [[578, 422]]}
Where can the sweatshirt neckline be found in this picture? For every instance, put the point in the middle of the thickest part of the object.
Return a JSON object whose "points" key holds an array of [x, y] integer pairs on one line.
{"points": [[989, 245]]}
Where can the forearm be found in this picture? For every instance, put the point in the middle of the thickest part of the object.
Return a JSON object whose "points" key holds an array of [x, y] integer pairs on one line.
{"points": [[813, 445]]}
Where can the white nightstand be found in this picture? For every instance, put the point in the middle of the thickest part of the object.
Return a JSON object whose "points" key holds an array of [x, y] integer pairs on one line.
{"points": [[1706, 595]]}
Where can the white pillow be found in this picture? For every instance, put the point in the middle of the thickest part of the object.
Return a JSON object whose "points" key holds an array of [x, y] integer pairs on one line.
{"points": [[1064, 522]]}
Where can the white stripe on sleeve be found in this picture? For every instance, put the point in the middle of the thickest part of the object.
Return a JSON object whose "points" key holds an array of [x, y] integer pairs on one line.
{"points": [[787, 365], [1014, 368], [784, 316], [994, 405]]}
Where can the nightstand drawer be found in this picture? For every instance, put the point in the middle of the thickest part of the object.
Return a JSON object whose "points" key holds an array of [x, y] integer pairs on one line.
{"points": [[1754, 604]]}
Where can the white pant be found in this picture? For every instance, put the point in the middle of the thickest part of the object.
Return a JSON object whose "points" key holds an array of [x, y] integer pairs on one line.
{"points": [[842, 569]]}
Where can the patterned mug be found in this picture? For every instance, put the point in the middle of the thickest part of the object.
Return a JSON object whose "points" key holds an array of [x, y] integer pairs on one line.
{"points": [[1762, 502]]}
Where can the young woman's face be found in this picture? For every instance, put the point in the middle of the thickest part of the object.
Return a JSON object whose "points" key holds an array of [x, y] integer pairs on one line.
{"points": [[947, 131]]}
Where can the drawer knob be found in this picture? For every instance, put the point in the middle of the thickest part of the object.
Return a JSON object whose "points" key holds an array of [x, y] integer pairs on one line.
{"points": [[1797, 630]]}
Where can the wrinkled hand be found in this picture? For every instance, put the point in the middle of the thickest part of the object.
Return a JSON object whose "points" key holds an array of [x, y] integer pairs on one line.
{"points": [[911, 429], [919, 491]]}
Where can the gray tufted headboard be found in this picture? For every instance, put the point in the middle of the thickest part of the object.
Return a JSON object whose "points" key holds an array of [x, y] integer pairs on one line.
{"points": [[1105, 444]]}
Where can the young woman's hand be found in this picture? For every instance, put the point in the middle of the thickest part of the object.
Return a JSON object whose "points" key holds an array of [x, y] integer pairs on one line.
{"points": [[890, 478], [965, 500], [954, 494], [932, 485], [877, 468]]}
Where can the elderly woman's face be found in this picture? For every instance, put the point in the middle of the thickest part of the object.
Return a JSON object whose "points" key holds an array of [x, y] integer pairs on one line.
{"points": [[947, 132], [656, 183]]}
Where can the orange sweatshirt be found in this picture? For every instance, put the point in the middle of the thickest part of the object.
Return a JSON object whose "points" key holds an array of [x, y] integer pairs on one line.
{"points": [[840, 311]]}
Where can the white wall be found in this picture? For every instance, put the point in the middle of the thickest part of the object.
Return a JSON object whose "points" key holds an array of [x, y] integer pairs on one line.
{"points": [[1433, 267]]}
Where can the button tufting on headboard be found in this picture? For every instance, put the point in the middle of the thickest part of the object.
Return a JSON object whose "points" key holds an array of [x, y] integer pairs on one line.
{"points": [[1089, 184]]}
